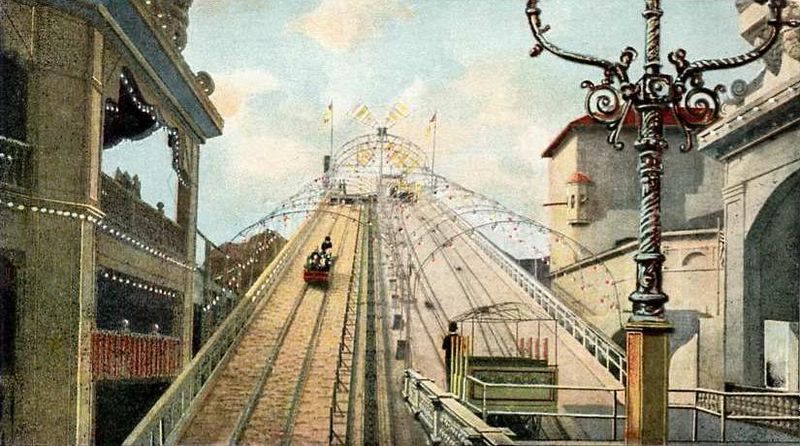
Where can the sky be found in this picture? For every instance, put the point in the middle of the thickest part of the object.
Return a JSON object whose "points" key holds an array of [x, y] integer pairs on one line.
{"points": [[277, 64]]}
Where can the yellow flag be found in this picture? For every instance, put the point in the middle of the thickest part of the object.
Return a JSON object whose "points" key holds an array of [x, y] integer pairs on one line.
{"points": [[431, 124], [328, 115], [362, 114], [399, 111]]}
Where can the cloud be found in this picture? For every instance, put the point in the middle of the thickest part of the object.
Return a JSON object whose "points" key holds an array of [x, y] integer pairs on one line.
{"points": [[487, 139], [235, 88], [494, 92], [340, 25], [415, 92], [250, 171]]}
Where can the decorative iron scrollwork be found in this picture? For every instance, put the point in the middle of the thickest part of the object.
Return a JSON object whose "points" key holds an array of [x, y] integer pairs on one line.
{"points": [[693, 104], [654, 96]]}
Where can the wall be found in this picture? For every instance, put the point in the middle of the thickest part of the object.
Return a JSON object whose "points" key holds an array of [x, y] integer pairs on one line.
{"points": [[691, 189], [560, 167], [752, 178], [52, 385], [692, 280]]}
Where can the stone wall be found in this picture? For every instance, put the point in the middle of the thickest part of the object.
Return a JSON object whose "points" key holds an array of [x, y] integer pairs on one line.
{"points": [[693, 282]]}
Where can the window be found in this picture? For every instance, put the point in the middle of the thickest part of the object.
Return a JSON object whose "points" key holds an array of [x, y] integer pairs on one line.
{"points": [[780, 354], [13, 93]]}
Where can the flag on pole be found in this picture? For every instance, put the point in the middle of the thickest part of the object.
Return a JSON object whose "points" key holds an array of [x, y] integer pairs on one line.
{"points": [[328, 115], [363, 115], [399, 111], [431, 124]]}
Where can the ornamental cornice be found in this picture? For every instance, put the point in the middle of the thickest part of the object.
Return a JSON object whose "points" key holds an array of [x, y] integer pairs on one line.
{"points": [[754, 30], [744, 127], [169, 18]]}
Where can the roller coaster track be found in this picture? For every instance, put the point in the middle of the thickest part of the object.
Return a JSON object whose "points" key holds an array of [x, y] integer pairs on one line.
{"points": [[471, 296], [509, 350], [430, 295], [278, 376], [274, 406], [609, 355]]}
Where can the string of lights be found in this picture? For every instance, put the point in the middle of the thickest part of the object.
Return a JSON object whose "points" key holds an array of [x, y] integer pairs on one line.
{"points": [[134, 282], [78, 213], [173, 138]]}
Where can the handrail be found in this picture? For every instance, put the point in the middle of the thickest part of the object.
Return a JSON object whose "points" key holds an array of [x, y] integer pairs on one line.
{"points": [[603, 349], [445, 418], [543, 386], [767, 409], [168, 415], [613, 392]]}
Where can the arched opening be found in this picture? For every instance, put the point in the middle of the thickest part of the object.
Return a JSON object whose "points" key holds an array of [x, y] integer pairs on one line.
{"points": [[694, 260], [772, 283], [142, 157]]}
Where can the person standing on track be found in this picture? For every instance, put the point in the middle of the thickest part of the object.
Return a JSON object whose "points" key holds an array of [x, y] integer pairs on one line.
{"points": [[449, 344]]}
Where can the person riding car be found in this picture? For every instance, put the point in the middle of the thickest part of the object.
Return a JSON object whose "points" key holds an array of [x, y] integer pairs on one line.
{"points": [[326, 245], [313, 262]]}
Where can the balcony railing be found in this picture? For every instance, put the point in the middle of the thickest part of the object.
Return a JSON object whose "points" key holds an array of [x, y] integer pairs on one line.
{"points": [[117, 355], [138, 218], [771, 409], [15, 164]]}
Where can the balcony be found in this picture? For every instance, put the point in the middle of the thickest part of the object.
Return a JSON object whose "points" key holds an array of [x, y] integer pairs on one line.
{"points": [[139, 219], [15, 164], [120, 355]]}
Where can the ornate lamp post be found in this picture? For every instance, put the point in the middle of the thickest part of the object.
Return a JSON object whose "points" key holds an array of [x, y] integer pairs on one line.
{"points": [[694, 106]]}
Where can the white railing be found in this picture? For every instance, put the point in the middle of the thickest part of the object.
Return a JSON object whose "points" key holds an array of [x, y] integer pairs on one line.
{"points": [[765, 412], [603, 349], [445, 419], [771, 410], [166, 418], [616, 394]]}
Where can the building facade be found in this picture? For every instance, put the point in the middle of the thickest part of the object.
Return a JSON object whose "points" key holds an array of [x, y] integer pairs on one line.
{"points": [[594, 213], [97, 285], [757, 143], [594, 189]]}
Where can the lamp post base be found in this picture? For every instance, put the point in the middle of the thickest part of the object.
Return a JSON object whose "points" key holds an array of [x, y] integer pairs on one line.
{"points": [[646, 397]]}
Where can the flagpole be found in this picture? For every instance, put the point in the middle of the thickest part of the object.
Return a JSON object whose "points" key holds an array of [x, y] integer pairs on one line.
{"points": [[331, 167], [433, 156]]}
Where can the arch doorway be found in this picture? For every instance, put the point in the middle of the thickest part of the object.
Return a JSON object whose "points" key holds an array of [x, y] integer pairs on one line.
{"points": [[772, 285]]}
